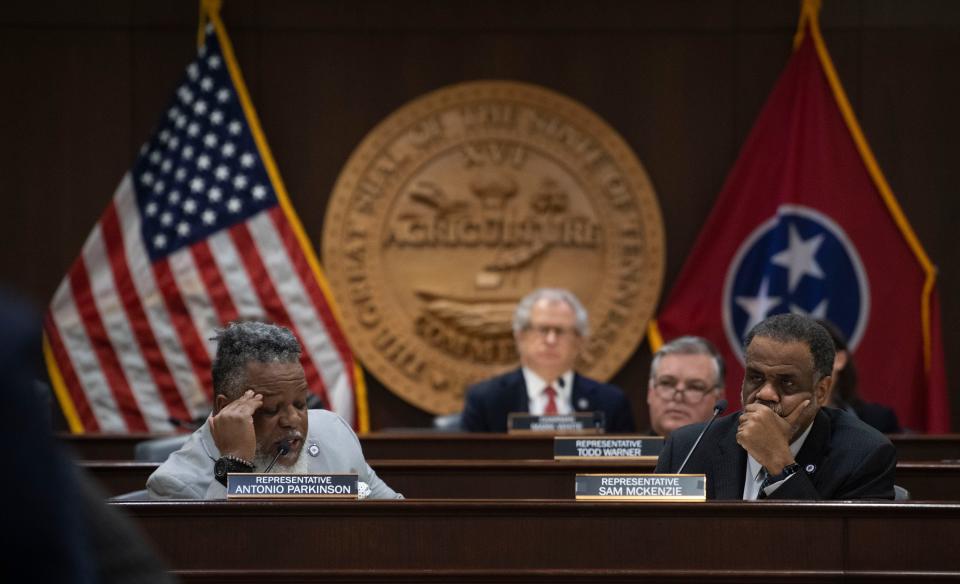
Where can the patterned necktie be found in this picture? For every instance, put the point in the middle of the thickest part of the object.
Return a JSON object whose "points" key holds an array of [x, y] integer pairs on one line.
{"points": [[551, 409], [764, 477]]}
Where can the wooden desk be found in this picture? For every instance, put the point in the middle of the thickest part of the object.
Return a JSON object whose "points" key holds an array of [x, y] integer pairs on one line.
{"points": [[552, 541], [443, 445], [382, 446], [521, 479], [119, 476], [105, 446]]}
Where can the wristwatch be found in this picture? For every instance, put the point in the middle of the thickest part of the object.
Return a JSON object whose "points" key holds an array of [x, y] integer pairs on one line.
{"points": [[228, 464], [787, 471]]}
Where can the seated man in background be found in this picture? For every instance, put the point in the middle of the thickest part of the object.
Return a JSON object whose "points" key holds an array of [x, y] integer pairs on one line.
{"points": [[785, 444], [549, 325], [686, 381], [844, 394], [260, 403]]}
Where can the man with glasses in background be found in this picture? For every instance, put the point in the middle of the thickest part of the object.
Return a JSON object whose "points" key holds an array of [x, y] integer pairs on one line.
{"points": [[550, 328], [686, 381]]}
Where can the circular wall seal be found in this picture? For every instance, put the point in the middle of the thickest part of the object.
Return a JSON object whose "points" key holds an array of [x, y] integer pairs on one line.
{"points": [[463, 201]]}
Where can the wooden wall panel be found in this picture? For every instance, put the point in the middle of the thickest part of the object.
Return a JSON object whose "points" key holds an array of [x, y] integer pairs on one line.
{"points": [[682, 82]]}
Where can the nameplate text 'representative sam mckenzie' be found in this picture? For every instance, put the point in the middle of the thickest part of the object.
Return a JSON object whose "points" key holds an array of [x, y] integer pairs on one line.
{"points": [[641, 487]]}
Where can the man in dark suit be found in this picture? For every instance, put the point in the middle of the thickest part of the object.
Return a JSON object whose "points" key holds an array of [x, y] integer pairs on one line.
{"points": [[549, 325], [784, 444]]}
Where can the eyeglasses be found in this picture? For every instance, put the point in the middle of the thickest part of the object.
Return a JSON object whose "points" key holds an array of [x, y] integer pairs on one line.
{"points": [[692, 392], [543, 330]]}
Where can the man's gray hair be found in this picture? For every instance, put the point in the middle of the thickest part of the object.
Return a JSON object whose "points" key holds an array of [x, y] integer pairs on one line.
{"points": [[788, 328], [521, 316], [690, 345], [245, 342]]}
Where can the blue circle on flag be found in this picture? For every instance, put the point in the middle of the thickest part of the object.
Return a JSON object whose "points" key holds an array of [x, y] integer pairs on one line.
{"points": [[798, 261]]}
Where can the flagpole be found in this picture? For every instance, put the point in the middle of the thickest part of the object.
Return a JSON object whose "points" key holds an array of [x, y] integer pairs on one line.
{"points": [[212, 8], [654, 337], [60, 389], [206, 7], [809, 14]]}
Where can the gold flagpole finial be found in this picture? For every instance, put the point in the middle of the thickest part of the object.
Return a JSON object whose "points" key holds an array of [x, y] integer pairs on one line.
{"points": [[207, 8], [809, 11]]}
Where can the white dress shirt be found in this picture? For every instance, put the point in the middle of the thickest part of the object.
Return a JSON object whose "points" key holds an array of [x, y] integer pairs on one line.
{"points": [[756, 473], [537, 399]]}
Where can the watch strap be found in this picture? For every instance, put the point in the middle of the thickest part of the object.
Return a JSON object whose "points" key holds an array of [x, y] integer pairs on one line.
{"points": [[227, 464], [783, 475], [236, 461]]}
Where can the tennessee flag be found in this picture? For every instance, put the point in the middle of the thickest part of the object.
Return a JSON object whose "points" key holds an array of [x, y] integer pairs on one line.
{"points": [[807, 223]]}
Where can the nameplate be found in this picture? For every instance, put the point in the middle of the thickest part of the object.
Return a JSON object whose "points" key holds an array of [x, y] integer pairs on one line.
{"points": [[641, 487], [619, 447], [286, 486], [578, 423]]}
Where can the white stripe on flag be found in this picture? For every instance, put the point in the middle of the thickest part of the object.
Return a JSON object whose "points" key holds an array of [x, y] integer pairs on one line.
{"points": [[194, 294], [85, 363], [151, 299], [303, 314], [235, 278], [118, 330]]}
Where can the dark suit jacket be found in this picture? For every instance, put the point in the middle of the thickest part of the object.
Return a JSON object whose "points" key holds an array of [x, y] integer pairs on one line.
{"points": [[489, 402], [879, 416], [842, 458], [58, 527]]}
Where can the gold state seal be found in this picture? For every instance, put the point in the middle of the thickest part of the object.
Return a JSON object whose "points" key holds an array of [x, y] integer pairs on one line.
{"points": [[464, 200]]}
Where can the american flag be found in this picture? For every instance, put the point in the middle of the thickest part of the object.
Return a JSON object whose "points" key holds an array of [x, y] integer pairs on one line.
{"points": [[199, 233]]}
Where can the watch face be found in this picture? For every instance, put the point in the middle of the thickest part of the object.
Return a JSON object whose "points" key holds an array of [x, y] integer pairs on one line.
{"points": [[220, 468]]}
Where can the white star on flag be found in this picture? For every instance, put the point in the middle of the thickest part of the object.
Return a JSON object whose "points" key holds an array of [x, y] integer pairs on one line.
{"points": [[759, 306], [799, 258], [819, 311]]}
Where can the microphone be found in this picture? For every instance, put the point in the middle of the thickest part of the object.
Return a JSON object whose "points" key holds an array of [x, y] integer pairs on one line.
{"points": [[560, 382], [717, 410], [282, 449]]}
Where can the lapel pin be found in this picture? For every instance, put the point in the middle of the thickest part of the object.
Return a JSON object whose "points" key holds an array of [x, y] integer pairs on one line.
{"points": [[810, 468], [582, 403], [313, 450]]}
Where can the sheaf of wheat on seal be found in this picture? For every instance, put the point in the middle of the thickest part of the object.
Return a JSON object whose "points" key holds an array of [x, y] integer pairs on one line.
{"points": [[464, 200]]}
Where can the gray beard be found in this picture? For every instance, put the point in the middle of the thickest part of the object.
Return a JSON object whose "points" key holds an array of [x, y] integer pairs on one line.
{"points": [[262, 461], [265, 454]]}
